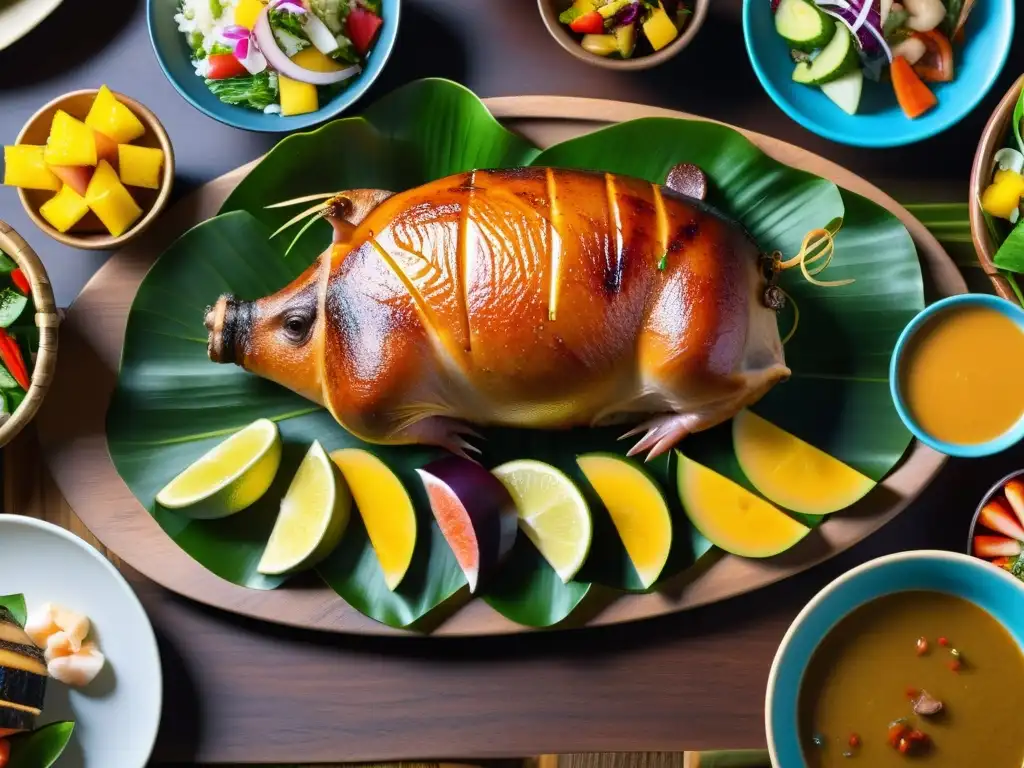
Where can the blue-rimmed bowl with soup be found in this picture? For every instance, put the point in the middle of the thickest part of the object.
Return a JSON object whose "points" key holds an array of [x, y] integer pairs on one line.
{"points": [[956, 374], [905, 660]]}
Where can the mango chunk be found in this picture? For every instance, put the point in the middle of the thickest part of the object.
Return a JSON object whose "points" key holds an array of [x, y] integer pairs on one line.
{"points": [[110, 201], [140, 166], [1003, 196], [25, 167], [75, 176], [65, 209], [113, 119], [310, 58], [246, 13], [297, 98], [659, 29], [106, 148], [70, 142]]}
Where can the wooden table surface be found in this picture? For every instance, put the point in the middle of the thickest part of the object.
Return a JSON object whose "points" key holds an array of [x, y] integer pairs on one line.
{"points": [[238, 691]]}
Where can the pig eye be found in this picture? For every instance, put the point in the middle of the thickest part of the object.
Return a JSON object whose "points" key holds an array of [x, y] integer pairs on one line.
{"points": [[296, 328]]}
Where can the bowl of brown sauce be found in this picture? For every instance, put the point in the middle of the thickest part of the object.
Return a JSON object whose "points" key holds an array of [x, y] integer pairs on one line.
{"points": [[902, 661]]}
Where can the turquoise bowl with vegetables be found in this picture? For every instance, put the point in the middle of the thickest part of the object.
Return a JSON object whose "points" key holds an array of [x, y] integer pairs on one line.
{"points": [[833, 74], [279, 67]]}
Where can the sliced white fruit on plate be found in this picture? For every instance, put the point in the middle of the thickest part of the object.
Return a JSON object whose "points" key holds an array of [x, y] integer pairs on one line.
{"points": [[846, 91], [314, 515]]}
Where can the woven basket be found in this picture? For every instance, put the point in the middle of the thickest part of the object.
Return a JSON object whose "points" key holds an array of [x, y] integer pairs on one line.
{"points": [[992, 140], [47, 319]]}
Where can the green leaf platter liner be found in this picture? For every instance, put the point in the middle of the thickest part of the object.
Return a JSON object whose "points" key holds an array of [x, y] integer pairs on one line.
{"points": [[172, 404]]}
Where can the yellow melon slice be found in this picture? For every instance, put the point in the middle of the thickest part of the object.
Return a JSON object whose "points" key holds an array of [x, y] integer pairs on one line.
{"points": [[637, 508], [386, 510], [731, 517], [792, 473]]}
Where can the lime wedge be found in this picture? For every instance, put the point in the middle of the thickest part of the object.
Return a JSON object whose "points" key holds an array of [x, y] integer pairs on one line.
{"points": [[637, 508], [229, 477], [552, 513], [314, 514]]}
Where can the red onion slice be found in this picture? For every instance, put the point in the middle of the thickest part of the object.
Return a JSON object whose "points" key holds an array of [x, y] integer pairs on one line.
{"points": [[235, 32], [277, 59]]}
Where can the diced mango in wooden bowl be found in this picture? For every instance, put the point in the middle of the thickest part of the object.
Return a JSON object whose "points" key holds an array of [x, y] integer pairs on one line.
{"points": [[93, 168]]}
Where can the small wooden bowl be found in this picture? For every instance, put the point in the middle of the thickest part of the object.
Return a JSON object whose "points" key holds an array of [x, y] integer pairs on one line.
{"points": [[47, 320], [550, 9], [992, 140], [89, 233]]}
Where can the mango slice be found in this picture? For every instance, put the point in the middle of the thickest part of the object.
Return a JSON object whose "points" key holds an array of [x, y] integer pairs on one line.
{"points": [[311, 59], [246, 13], [70, 142], [25, 167], [659, 28], [65, 209], [792, 473], [140, 166], [385, 508], [731, 517], [113, 119], [297, 98], [110, 201], [637, 508]]}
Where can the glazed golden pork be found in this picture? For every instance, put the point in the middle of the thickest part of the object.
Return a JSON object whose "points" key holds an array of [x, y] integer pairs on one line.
{"points": [[528, 297]]}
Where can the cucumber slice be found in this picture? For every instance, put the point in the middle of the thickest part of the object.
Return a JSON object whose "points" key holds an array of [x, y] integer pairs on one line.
{"points": [[836, 59], [803, 25], [625, 38], [846, 91]]}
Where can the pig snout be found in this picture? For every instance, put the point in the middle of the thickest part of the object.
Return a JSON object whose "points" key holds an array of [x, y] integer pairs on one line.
{"points": [[223, 322]]}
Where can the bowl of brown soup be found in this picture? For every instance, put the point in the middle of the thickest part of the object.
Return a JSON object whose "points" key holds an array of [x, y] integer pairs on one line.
{"points": [[902, 661]]}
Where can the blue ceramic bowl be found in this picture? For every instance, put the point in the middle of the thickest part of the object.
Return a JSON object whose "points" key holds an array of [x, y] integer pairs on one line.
{"points": [[881, 122], [173, 54], [992, 589], [1001, 443]]}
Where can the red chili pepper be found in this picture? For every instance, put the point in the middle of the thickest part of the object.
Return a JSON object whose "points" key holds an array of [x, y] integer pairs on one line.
{"points": [[5, 752], [912, 693], [922, 646], [225, 65], [20, 281], [854, 740], [10, 354], [943, 641], [955, 665], [590, 23]]}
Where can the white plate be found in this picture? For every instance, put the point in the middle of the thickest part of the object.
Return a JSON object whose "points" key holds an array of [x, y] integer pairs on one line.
{"points": [[19, 17], [117, 716]]}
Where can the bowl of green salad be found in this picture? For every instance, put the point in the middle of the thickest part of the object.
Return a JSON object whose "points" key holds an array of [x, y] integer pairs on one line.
{"points": [[623, 34], [272, 65]]}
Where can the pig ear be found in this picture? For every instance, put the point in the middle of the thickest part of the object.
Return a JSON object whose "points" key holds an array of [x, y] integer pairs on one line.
{"points": [[347, 210]]}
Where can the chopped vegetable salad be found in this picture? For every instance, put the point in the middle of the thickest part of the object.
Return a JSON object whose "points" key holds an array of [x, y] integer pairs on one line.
{"points": [[626, 28], [836, 44], [286, 56]]}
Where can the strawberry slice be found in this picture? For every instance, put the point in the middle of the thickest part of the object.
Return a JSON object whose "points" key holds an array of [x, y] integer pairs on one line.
{"points": [[996, 516], [996, 546], [1014, 491]]}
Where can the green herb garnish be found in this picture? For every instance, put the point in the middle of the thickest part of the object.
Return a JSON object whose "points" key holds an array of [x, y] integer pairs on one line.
{"points": [[40, 748], [569, 15], [216, 9], [663, 262], [256, 91], [287, 22], [16, 605]]}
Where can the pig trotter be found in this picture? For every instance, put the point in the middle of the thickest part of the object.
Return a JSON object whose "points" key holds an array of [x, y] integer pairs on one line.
{"points": [[443, 432], [663, 433]]}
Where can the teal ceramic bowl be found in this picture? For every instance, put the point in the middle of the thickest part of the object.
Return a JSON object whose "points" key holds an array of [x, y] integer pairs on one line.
{"points": [[881, 122], [172, 53], [1001, 443], [991, 589]]}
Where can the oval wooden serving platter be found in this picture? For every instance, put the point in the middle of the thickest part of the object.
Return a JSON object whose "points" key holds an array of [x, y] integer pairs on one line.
{"points": [[72, 432]]}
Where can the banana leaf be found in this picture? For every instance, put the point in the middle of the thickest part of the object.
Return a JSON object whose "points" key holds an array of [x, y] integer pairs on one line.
{"points": [[172, 404]]}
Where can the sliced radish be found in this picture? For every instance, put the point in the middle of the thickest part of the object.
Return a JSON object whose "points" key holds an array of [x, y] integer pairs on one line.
{"points": [[1014, 491], [996, 516], [996, 546]]}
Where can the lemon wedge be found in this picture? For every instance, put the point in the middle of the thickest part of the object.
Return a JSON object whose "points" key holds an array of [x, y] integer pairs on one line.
{"points": [[229, 477], [313, 517]]}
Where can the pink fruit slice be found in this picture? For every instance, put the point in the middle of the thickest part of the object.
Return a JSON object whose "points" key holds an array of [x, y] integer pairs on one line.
{"points": [[996, 516], [475, 513], [996, 546], [1014, 491], [75, 176]]}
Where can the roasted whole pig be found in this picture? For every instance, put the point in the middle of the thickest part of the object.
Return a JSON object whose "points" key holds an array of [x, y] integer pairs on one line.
{"points": [[528, 297]]}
